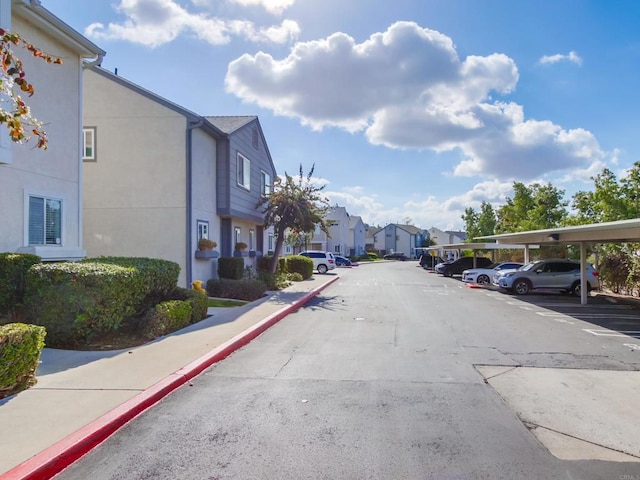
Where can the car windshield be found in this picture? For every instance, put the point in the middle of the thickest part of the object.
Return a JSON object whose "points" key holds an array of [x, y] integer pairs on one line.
{"points": [[529, 266]]}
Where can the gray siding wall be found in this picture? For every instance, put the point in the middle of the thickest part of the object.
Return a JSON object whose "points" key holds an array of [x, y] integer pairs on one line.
{"points": [[235, 200]]}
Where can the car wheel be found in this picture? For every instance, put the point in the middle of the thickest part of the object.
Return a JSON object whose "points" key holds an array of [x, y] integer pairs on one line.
{"points": [[322, 269], [575, 289], [483, 280], [447, 273], [521, 287]]}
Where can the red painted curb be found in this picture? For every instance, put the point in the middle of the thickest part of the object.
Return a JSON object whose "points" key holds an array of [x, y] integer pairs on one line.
{"points": [[473, 285], [63, 453]]}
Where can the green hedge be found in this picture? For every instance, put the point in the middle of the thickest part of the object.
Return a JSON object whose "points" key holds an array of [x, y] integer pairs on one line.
{"points": [[199, 302], [13, 272], [248, 290], [20, 349], [75, 301], [300, 264], [231, 268], [264, 264], [167, 317]]}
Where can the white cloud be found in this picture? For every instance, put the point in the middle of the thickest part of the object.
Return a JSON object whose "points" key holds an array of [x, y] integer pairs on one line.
{"points": [[572, 57], [406, 88], [276, 7], [156, 22]]}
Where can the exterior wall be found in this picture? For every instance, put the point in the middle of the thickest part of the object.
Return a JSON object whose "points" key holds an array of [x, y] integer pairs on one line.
{"points": [[356, 236], [338, 242], [55, 172], [135, 194], [203, 202]]}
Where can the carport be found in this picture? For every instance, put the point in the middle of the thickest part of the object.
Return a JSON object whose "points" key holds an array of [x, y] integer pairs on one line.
{"points": [[485, 246], [621, 231]]}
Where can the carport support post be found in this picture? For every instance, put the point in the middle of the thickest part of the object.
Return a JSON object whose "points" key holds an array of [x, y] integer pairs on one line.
{"points": [[584, 289]]}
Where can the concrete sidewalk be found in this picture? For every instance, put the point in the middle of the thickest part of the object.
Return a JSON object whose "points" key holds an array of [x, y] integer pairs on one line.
{"points": [[83, 397]]}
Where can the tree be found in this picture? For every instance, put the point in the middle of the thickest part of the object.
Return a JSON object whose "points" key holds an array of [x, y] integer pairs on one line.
{"points": [[533, 207], [16, 116], [479, 224], [295, 207]]}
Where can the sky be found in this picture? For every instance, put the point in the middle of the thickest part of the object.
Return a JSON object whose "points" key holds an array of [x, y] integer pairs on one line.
{"points": [[409, 111]]}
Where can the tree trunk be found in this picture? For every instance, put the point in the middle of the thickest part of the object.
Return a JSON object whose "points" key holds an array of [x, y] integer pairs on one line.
{"points": [[276, 252]]}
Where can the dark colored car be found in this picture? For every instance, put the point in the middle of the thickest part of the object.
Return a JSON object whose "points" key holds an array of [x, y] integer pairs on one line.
{"points": [[396, 256], [458, 266], [429, 262], [342, 261]]}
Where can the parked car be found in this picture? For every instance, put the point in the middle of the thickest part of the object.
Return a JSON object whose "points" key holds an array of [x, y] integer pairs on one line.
{"points": [[499, 273], [396, 256], [483, 276], [322, 261], [429, 262], [556, 274], [342, 261], [458, 266]]}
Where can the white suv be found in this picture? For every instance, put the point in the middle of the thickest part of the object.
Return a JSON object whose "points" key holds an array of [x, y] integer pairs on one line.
{"points": [[322, 261]]}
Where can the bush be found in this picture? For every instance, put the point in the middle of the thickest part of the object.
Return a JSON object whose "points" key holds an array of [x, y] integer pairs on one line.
{"points": [[295, 277], [248, 290], [13, 272], [300, 264], [20, 348], [166, 317], [158, 277], [264, 264], [274, 281], [199, 302], [231, 268], [75, 301]]}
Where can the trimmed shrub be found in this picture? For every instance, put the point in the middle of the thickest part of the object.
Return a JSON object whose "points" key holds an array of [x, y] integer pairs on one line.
{"points": [[197, 300], [274, 281], [300, 264], [75, 301], [167, 317], [20, 349], [13, 272], [295, 277], [231, 268], [159, 277], [248, 290], [264, 264]]}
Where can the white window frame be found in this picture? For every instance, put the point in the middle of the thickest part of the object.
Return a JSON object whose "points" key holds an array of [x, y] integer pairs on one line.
{"points": [[237, 234], [243, 171], [89, 141], [270, 242], [59, 240], [203, 229], [266, 185], [337, 249], [252, 235]]}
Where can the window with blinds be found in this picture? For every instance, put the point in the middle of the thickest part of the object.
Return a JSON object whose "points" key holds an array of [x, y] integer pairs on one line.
{"points": [[89, 144], [45, 221]]}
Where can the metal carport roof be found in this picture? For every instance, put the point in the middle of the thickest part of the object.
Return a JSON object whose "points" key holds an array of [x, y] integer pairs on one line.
{"points": [[607, 232]]}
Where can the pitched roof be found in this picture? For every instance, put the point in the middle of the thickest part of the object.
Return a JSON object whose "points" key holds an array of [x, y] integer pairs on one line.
{"points": [[229, 124]]}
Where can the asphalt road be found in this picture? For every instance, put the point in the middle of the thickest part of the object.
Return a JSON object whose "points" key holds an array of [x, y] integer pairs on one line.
{"points": [[376, 378]]}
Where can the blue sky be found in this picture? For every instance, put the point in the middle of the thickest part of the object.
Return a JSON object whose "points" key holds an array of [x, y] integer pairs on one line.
{"points": [[409, 109]]}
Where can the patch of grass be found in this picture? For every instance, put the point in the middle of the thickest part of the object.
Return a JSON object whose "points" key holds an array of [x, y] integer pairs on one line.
{"points": [[221, 302]]}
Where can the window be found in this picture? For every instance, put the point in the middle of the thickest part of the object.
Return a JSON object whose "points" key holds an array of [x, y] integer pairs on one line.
{"points": [[270, 242], [237, 235], [265, 183], [45, 221], [337, 249], [89, 144], [252, 234], [203, 229], [244, 171]]}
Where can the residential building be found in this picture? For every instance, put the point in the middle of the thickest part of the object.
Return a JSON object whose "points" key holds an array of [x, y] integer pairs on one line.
{"points": [[396, 238], [447, 237], [245, 173], [159, 177], [41, 190], [357, 232]]}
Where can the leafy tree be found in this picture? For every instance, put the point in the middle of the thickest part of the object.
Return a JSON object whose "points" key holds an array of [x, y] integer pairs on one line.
{"points": [[532, 207], [295, 207], [15, 115], [479, 224]]}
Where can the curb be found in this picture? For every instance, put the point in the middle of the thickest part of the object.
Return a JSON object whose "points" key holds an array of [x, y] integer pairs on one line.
{"points": [[65, 452]]}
